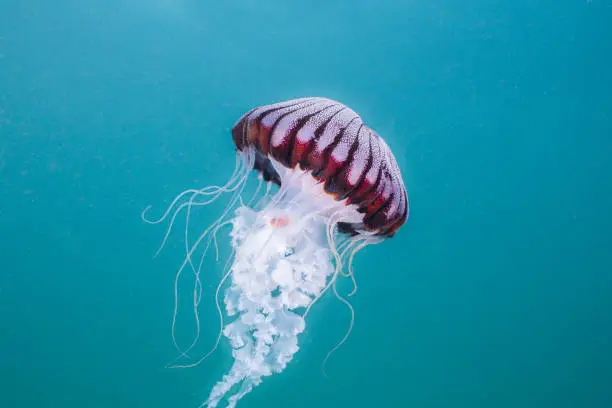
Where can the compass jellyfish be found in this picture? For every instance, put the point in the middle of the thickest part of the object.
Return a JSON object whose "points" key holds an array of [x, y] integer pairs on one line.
{"points": [[328, 185]]}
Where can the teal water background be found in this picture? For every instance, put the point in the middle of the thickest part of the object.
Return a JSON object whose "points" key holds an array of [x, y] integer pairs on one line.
{"points": [[496, 293]]}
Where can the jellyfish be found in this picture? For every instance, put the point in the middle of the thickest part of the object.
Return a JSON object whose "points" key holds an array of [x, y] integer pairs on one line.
{"points": [[332, 187]]}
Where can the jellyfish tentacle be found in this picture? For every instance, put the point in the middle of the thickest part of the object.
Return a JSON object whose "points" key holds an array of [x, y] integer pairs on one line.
{"points": [[187, 261], [221, 324], [348, 331]]}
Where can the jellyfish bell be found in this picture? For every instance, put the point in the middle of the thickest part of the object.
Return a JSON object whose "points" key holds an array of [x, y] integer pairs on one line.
{"points": [[339, 190], [329, 141]]}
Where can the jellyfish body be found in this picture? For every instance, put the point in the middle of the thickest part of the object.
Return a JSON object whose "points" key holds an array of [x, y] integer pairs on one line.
{"points": [[339, 189]]}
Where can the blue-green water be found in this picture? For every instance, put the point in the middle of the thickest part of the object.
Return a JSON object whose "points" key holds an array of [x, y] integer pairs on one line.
{"points": [[496, 293]]}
